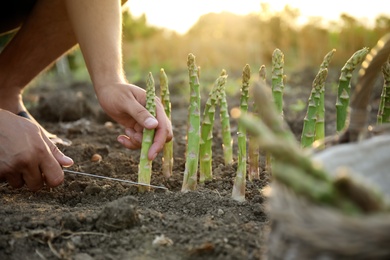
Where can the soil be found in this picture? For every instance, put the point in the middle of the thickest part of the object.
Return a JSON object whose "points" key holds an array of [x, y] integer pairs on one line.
{"points": [[89, 218]]}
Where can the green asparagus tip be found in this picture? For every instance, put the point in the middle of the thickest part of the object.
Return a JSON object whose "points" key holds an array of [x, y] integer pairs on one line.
{"points": [[190, 60], [278, 57], [262, 72], [328, 57], [320, 78], [149, 79], [246, 73], [356, 59]]}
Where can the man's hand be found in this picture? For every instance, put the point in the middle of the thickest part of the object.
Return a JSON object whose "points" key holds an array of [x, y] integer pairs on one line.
{"points": [[27, 156], [125, 104]]}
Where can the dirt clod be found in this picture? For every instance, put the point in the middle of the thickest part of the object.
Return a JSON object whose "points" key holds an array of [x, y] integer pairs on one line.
{"points": [[70, 222], [118, 214]]}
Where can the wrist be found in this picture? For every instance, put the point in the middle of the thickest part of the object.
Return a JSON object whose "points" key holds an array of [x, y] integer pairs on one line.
{"points": [[102, 81]]}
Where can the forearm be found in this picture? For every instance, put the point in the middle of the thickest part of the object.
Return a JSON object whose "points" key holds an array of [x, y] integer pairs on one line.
{"points": [[98, 28]]}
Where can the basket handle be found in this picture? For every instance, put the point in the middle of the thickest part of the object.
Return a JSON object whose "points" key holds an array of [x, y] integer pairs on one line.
{"points": [[361, 95]]}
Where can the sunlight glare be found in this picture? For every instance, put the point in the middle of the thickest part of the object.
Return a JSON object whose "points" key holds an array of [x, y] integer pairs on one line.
{"points": [[181, 15]]}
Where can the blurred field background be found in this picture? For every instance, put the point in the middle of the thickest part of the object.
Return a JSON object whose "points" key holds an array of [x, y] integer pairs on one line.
{"points": [[229, 41]]}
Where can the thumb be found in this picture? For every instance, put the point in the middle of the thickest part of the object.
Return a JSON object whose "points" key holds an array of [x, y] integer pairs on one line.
{"points": [[61, 158], [51, 165], [143, 116]]}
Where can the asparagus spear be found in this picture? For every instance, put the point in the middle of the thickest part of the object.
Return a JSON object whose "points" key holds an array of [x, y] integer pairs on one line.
{"points": [[167, 159], [193, 130], [344, 88], [320, 123], [309, 123], [253, 147], [277, 79], [384, 106], [240, 180], [268, 157], [145, 165], [227, 141], [205, 151]]}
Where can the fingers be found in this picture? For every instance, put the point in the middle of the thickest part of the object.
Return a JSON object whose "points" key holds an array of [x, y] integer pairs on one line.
{"points": [[135, 117], [142, 116], [33, 179], [160, 138], [15, 180], [61, 158], [52, 171], [163, 132], [31, 158], [156, 147], [47, 170], [128, 142], [26, 173], [166, 126], [50, 166]]}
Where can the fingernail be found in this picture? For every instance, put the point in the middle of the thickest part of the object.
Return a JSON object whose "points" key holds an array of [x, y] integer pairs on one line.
{"points": [[129, 132], [67, 161], [150, 122], [120, 140], [154, 156]]}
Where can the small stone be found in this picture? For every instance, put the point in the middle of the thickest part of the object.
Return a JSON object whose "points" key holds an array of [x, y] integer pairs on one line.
{"points": [[162, 241], [76, 240], [108, 125], [83, 256], [81, 217], [96, 158]]}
